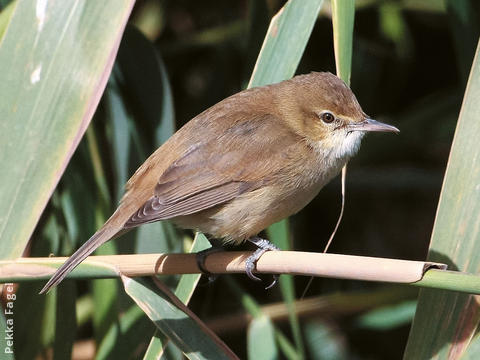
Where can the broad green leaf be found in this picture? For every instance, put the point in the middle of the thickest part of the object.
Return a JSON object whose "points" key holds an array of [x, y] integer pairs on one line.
{"points": [[261, 339], [185, 330], [52, 77], [445, 322], [184, 291], [157, 347], [285, 42], [343, 15]]}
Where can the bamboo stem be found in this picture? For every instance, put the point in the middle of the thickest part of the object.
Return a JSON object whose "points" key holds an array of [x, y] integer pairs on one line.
{"points": [[277, 262]]}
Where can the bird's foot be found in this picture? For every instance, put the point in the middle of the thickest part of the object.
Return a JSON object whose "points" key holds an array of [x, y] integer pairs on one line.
{"points": [[201, 257], [250, 264]]}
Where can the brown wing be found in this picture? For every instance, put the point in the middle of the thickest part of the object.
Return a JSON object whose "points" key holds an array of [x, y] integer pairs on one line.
{"points": [[217, 170]]}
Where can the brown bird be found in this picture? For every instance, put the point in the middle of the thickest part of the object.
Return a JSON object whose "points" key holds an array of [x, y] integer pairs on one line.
{"points": [[247, 162]]}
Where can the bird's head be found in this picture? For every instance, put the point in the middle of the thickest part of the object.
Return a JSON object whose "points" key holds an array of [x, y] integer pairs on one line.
{"points": [[322, 109]]}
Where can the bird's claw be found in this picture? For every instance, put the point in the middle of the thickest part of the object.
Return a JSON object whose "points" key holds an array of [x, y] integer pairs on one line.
{"points": [[201, 257], [274, 282], [250, 264]]}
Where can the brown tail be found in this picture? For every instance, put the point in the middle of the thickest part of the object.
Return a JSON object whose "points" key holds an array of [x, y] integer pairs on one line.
{"points": [[101, 236]]}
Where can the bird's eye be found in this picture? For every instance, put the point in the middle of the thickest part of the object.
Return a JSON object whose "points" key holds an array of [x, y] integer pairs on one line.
{"points": [[327, 117]]}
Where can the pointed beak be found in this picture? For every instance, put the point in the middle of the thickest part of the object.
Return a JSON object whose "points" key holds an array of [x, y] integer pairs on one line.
{"points": [[373, 125]]}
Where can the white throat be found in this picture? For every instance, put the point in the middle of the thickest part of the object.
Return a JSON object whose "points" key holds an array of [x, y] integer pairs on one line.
{"points": [[338, 149]]}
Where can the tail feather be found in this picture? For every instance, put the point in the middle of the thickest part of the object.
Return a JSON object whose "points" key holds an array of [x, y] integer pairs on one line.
{"points": [[101, 236]]}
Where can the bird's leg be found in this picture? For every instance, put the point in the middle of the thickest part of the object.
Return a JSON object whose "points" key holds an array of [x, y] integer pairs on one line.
{"points": [[201, 257], [263, 246]]}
